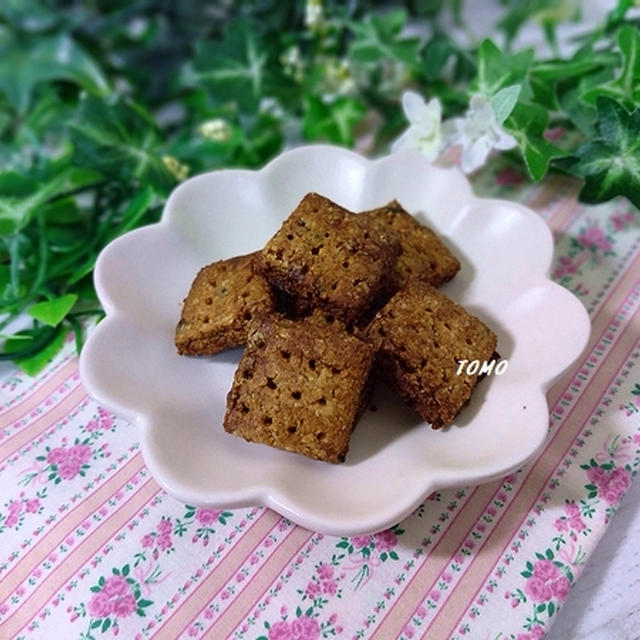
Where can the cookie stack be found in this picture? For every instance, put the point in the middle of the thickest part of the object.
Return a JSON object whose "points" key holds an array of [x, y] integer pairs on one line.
{"points": [[334, 300]]}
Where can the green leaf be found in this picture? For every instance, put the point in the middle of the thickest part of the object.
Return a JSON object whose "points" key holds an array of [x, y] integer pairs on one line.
{"points": [[105, 625], [378, 38], [234, 69], [610, 164], [551, 608], [53, 312], [582, 115], [497, 70], [145, 603], [29, 15], [526, 124], [333, 121], [504, 101], [119, 139], [435, 55], [34, 363], [29, 60], [625, 88], [21, 196]]}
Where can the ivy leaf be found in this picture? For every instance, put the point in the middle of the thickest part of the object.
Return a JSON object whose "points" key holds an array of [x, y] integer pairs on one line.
{"points": [[625, 88], [526, 124], [377, 38], [29, 15], [118, 138], [610, 164], [53, 312], [29, 60], [497, 70], [234, 68], [504, 101], [46, 342], [22, 195], [333, 121]]}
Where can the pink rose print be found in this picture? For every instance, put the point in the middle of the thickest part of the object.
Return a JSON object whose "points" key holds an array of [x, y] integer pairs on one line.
{"points": [[537, 632], [160, 539], [99, 606], [367, 552], [313, 590], [571, 520], [115, 586], [620, 220], [565, 267], [385, 540], [545, 570], [546, 582], [594, 238], [606, 481], [115, 597], [57, 455], [68, 469], [360, 541], [509, 177], [79, 453], [280, 631], [305, 629], [325, 571], [32, 506], [560, 588], [103, 421], [164, 526], [554, 133], [124, 606], [207, 521], [207, 517], [65, 463]]}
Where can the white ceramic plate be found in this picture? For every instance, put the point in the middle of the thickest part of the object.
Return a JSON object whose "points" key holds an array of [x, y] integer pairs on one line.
{"points": [[130, 364]]}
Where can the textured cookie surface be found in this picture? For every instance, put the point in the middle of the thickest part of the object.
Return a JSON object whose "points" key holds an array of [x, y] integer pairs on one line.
{"points": [[423, 255], [421, 336], [300, 386], [327, 257], [223, 298]]}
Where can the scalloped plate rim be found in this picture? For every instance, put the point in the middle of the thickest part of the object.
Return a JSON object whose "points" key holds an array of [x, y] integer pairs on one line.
{"points": [[273, 496]]}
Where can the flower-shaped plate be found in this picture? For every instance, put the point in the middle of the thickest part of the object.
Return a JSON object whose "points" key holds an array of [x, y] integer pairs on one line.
{"points": [[395, 460]]}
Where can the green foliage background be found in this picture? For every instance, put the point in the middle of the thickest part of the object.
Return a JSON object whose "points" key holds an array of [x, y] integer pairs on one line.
{"points": [[105, 105]]}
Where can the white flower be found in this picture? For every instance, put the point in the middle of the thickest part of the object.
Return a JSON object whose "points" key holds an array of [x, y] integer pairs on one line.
{"points": [[216, 129], [478, 132], [178, 170], [424, 125], [314, 15]]}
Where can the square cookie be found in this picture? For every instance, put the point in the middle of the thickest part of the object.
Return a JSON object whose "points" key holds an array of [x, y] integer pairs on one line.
{"points": [[421, 336], [327, 257], [300, 385], [423, 254], [223, 298]]}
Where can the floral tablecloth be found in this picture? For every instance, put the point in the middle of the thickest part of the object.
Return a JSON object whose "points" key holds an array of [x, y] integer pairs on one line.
{"points": [[92, 547]]}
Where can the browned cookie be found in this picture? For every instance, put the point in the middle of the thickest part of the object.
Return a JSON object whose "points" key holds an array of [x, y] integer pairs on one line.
{"points": [[421, 336], [300, 385], [223, 297], [327, 257], [423, 255]]}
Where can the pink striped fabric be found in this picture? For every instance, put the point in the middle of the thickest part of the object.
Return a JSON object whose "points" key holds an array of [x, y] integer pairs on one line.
{"points": [[92, 545]]}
